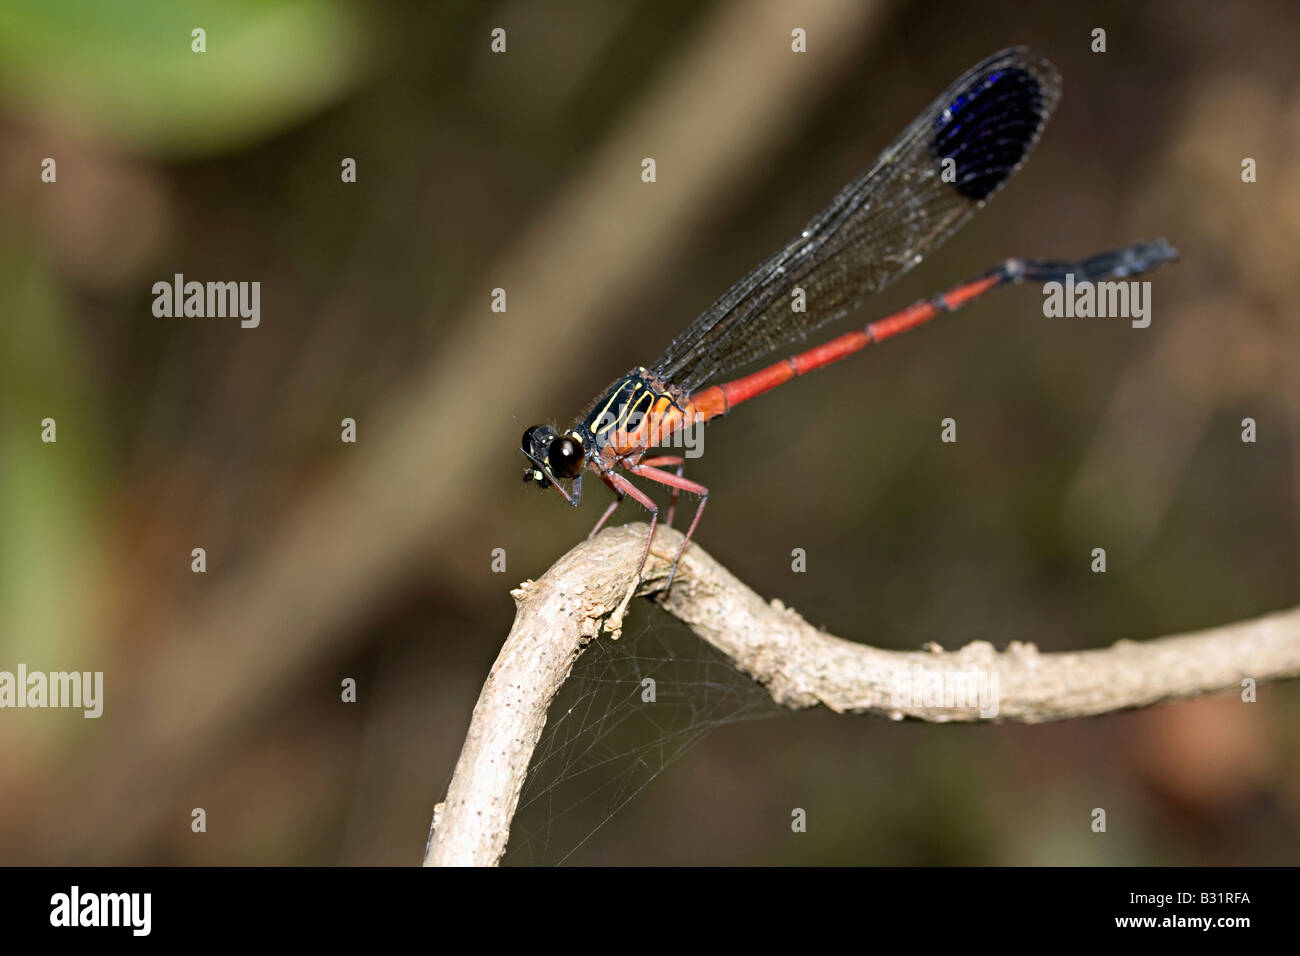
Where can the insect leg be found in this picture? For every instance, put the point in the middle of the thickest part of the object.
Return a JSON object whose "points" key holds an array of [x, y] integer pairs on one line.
{"points": [[619, 483], [680, 462], [679, 483]]}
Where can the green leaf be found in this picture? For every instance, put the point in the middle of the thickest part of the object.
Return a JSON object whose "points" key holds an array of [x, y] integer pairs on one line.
{"points": [[124, 70]]}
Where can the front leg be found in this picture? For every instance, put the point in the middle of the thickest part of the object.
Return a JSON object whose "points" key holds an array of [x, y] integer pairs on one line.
{"points": [[622, 485], [618, 500]]}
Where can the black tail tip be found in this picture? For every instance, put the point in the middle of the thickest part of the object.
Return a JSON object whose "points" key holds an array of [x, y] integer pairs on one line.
{"points": [[1146, 256], [1167, 252]]}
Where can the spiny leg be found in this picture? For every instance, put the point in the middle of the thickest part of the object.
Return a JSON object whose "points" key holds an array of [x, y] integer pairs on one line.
{"points": [[683, 484], [680, 462], [622, 485], [618, 500]]}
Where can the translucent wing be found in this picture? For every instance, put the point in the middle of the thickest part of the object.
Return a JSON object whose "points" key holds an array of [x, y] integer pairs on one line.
{"points": [[943, 168]]}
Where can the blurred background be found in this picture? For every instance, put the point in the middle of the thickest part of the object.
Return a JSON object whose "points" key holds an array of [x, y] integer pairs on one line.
{"points": [[521, 170]]}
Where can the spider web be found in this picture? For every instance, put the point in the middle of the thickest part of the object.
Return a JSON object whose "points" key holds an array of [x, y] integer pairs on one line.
{"points": [[604, 742]]}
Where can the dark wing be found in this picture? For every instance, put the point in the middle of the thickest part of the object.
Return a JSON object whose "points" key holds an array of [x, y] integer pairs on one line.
{"points": [[883, 222]]}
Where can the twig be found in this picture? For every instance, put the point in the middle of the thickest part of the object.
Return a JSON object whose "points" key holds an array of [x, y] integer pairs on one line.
{"points": [[584, 592]]}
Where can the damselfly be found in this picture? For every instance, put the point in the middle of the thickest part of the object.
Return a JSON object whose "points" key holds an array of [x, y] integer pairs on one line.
{"points": [[942, 169]]}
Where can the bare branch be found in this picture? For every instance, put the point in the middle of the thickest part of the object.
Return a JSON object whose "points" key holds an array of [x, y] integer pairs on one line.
{"points": [[801, 666]]}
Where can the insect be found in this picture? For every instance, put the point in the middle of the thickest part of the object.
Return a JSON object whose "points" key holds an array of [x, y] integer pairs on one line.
{"points": [[943, 168]]}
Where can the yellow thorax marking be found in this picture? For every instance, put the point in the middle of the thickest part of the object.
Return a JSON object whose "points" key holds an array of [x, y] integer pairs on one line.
{"points": [[635, 405], [604, 421], [639, 401]]}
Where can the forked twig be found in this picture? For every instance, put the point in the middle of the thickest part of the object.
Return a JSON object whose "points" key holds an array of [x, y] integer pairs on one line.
{"points": [[800, 666]]}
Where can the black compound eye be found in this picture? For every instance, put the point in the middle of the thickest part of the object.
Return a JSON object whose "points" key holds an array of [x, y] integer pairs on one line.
{"points": [[536, 440], [565, 457]]}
